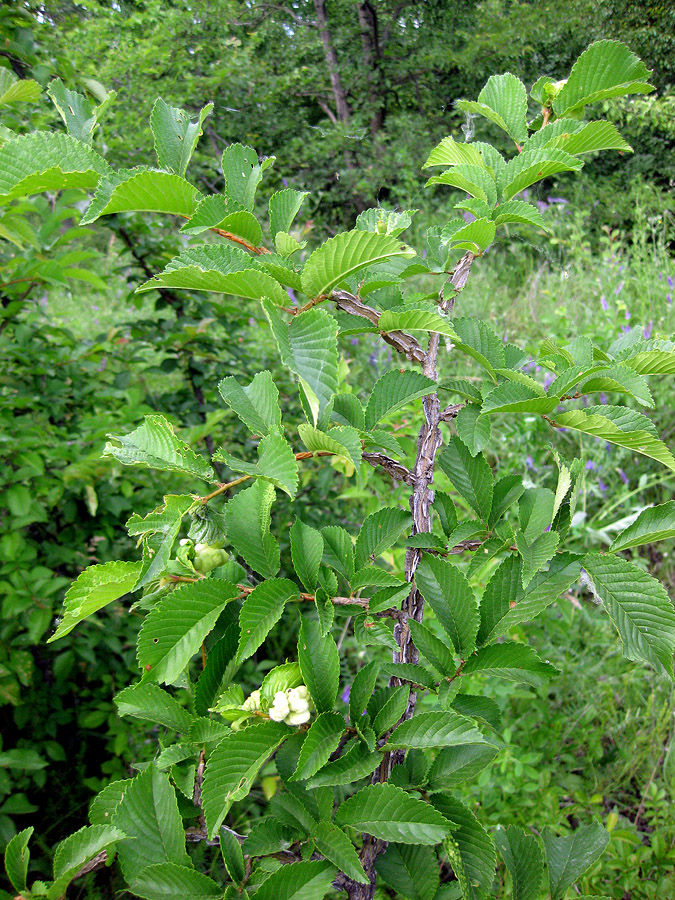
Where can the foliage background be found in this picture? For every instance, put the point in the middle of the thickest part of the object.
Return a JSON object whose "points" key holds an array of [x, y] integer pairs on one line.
{"points": [[84, 356]]}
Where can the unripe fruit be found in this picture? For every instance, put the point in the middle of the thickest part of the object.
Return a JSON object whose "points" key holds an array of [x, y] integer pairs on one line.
{"points": [[208, 558]]}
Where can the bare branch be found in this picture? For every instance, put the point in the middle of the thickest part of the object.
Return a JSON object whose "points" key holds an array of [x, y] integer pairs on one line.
{"points": [[397, 471], [450, 412], [399, 340]]}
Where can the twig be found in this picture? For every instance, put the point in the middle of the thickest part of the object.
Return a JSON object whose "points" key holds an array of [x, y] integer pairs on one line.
{"points": [[399, 340], [397, 470]]}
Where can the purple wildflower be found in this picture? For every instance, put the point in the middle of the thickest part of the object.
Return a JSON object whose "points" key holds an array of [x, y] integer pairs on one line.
{"points": [[468, 217], [284, 181], [344, 696], [291, 294], [623, 476], [424, 253], [647, 331], [669, 298], [625, 329], [626, 315], [548, 380], [669, 279], [619, 289], [603, 303], [103, 364], [589, 465], [584, 400], [603, 398], [354, 341], [529, 462], [620, 268], [602, 485], [660, 276], [557, 200], [251, 320], [94, 307], [543, 206]]}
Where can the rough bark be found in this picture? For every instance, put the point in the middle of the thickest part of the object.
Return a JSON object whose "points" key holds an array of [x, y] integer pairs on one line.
{"points": [[370, 47], [341, 105]]}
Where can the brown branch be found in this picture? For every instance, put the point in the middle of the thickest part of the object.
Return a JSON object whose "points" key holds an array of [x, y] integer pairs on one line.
{"points": [[397, 470], [450, 412], [399, 340]]}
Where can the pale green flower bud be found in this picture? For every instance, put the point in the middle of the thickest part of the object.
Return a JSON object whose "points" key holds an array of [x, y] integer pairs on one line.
{"points": [[279, 709], [252, 702], [298, 718]]}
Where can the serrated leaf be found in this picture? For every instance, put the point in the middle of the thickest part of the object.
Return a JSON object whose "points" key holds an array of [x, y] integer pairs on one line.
{"points": [[462, 387], [45, 161], [334, 844], [432, 648], [142, 190], [248, 520], [173, 631], [17, 857], [503, 101], [447, 592], [506, 492], [216, 212], [17, 90], [95, 588], [639, 607], [356, 762], [475, 236], [220, 269], [299, 881], [276, 463], [321, 740], [233, 766], [409, 672], [163, 518], [469, 847], [233, 857], [342, 441], [411, 871], [379, 531], [269, 836], [523, 859], [414, 320], [385, 221], [176, 134], [606, 69], [513, 397], [600, 425], [148, 812], [386, 707], [74, 108], [389, 813], [347, 410], [344, 255], [150, 703], [260, 612], [169, 881], [656, 523], [257, 404], [479, 341], [535, 512], [473, 428], [338, 550], [434, 730], [104, 804], [306, 553], [618, 379], [455, 765], [535, 555], [242, 172], [77, 849], [475, 180], [531, 166], [319, 663], [592, 137], [313, 347], [362, 690], [283, 208], [569, 857], [518, 212], [512, 661], [393, 390], [453, 153], [154, 444], [471, 475]]}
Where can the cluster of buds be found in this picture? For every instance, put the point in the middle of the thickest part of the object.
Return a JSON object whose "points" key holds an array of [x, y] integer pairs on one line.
{"points": [[204, 557], [293, 706]]}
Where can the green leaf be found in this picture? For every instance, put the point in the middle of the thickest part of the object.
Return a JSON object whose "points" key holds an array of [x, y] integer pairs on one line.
{"points": [[620, 379], [215, 211], [170, 881], [523, 859], [656, 523], [338, 550], [432, 648], [537, 554], [512, 661], [104, 804], [479, 341], [306, 553], [45, 161], [334, 844], [506, 491], [393, 390], [592, 137], [639, 607], [257, 404], [535, 512], [542, 591], [651, 362], [414, 320], [342, 441], [218, 268], [276, 463], [569, 857], [15, 90], [471, 475], [446, 512], [270, 837], [362, 690], [75, 110], [260, 612], [242, 172], [248, 520], [79, 848], [434, 729], [475, 180], [174, 630], [17, 857], [220, 667], [503, 101], [151, 703], [386, 707], [95, 588], [319, 663], [176, 134], [233, 857], [455, 765], [163, 518], [469, 847], [409, 672], [606, 69], [452, 153], [155, 445], [389, 813], [463, 387], [476, 236], [284, 207], [379, 531], [473, 428], [607, 425], [299, 881], [411, 871], [142, 190], [344, 255], [347, 410], [519, 212], [447, 592], [148, 812], [233, 766], [385, 221], [531, 166], [322, 739], [313, 346], [513, 397], [356, 762]]}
